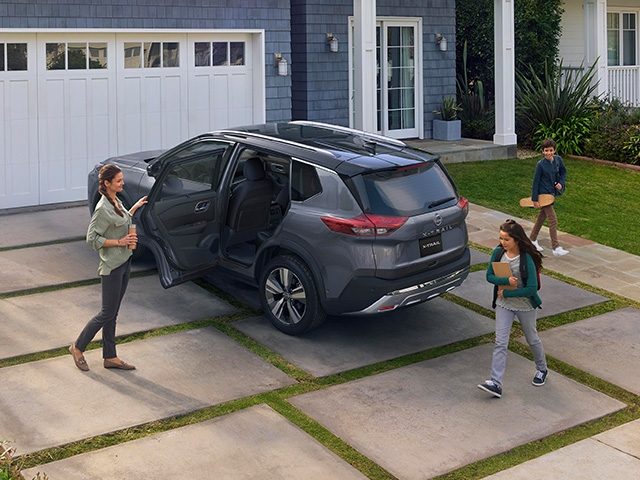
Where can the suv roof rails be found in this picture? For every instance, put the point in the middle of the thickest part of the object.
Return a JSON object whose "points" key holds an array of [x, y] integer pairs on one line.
{"points": [[241, 133], [373, 136]]}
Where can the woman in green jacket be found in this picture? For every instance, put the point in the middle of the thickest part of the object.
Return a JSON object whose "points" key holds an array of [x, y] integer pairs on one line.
{"points": [[108, 233], [515, 296]]}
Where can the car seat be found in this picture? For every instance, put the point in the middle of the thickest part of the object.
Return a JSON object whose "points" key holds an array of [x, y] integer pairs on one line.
{"points": [[249, 204]]}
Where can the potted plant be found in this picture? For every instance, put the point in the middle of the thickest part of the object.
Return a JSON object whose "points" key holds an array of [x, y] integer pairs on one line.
{"points": [[447, 127]]}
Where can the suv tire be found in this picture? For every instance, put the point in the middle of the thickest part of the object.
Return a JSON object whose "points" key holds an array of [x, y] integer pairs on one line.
{"points": [[289, 296]]}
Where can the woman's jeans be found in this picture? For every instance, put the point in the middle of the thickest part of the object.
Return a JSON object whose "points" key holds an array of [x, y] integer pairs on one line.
{"points": [[113, 287], [504, 320]]}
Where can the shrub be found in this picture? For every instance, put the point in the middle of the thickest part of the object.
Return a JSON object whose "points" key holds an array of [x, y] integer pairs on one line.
{"points": [[570, 135], [563, 97], [615, 132], [476, 113]]}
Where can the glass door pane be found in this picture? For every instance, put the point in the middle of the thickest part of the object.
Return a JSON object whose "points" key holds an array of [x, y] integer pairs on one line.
{"points": [[400, 82]]}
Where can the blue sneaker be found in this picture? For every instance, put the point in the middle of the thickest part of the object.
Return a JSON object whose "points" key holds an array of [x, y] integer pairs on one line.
{"points": [[539, 378], [491, 387]]}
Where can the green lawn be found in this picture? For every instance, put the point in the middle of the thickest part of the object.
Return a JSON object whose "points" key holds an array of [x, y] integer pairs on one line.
{"points": [[601, 202]]}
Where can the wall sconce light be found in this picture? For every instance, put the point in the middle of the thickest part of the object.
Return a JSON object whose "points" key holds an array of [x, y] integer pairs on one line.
{"points": [[281, 64], [332, 40], [441, 41]]}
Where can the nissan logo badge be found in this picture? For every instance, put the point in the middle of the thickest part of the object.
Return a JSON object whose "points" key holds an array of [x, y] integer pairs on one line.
{"points": [[437, 220]]}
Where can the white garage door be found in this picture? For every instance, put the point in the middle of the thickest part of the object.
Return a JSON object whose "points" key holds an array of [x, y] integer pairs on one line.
{"points": [[18, 122], [87, 96]]}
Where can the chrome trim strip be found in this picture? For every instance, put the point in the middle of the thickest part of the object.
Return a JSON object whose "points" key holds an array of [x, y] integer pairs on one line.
{"points": [[360, 133], [416, 293]]}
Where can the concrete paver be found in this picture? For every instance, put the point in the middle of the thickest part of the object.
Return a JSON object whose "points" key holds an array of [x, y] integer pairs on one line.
{"points": [[606, 346], [584, 460], [625, 438], [408, 421], [52, 319], [50, 402], [557, 296], [43, 226], [350, 342], [49, 265], [253, 443], [478, 257]]}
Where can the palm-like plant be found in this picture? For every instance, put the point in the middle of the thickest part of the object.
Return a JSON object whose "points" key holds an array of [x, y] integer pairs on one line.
{"points": [[558, 97]]}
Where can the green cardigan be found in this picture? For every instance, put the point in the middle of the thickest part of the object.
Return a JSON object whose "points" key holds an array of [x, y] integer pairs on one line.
{"points": [[530, 290]]}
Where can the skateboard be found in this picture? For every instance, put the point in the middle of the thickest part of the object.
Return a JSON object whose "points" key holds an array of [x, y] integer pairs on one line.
{"points": [[544, 199]]}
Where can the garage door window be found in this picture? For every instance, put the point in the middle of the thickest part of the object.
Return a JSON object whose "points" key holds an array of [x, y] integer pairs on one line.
{"points": [[151, 54], [76, 56], [15, 55], [219, 54]]}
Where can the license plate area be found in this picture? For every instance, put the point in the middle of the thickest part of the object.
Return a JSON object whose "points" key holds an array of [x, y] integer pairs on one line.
{"points": [[430, 245]]}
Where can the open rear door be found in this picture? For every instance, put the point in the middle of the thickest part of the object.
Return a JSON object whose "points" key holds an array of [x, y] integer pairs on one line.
{"points": [[182, 218]]}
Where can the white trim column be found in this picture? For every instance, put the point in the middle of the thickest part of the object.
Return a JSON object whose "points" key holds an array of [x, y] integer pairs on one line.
{"points": [[504, 55], [595, 38], [364, 63]]}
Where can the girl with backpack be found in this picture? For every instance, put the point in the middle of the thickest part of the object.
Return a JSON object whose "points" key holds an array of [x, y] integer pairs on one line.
{"points": [[515, 296]]}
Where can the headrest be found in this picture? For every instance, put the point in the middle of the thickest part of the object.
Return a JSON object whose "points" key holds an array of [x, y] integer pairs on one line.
{"points": [[253, 169]]}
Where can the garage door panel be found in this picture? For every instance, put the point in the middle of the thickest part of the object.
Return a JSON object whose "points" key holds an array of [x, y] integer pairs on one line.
{"points": [[221, 99], [199, 101], [172, 107]]}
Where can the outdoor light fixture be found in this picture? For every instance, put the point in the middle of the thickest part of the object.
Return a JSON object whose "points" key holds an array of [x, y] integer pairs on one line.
{"points": [[282, 65], [441, 41], [332, 40]]}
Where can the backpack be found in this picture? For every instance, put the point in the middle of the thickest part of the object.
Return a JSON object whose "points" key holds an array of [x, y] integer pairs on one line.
{"points": [[524, 273]]}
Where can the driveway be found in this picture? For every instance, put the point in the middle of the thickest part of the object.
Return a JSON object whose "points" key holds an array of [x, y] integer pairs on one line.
{"points": [[219, 393]]}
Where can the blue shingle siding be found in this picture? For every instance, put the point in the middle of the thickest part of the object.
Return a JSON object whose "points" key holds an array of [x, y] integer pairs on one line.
{"points": [[321, 78]]}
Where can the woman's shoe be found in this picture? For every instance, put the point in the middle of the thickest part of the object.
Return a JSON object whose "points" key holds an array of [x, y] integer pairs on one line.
{"points": [[78, 358]]}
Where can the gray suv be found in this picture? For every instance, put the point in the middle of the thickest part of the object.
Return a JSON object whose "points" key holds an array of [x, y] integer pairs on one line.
{"points": [[322, 219]]}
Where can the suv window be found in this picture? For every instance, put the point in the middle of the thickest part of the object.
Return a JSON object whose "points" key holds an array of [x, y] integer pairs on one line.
{"points": [[304, 181], [197, 174], [405, 191]]}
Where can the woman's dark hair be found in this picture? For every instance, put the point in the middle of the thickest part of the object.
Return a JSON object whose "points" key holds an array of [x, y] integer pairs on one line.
{"points": [[515, 231], [107, 174]]}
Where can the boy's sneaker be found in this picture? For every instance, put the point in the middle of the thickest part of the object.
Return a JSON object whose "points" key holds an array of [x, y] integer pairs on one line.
{"points": [[491, 387], [537, 245], [559, 252], [539, 378]]}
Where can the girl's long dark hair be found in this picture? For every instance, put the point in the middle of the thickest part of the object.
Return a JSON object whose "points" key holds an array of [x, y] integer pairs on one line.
{"points": [[515, 231], [107, 174]]}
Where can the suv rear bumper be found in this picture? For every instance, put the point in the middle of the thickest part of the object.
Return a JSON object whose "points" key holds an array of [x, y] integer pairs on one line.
{"points": [[371, 295]]}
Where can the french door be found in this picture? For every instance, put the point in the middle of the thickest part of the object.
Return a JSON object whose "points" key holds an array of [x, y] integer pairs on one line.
{"points": [[398, 78]]}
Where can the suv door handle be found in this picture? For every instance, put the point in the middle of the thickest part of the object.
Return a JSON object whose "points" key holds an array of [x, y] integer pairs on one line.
{"points": [[201, 206]]}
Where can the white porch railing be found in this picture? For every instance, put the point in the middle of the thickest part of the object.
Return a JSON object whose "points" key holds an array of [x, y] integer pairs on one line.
{"points": [[624, 84]]}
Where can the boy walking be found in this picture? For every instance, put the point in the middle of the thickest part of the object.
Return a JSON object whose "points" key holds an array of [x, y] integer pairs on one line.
{"points": [[549, 178]]}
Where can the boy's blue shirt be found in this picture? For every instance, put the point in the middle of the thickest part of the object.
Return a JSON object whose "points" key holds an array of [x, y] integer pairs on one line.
{"points": [[546, 175]]}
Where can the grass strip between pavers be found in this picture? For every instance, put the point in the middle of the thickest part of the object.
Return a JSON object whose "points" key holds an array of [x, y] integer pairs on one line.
{"points": [[41, 244], [277, 399], [66, 285]]}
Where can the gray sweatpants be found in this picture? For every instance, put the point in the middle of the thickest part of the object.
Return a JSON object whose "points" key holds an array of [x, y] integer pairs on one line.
{"points": [[113, 287], [504, 321]]}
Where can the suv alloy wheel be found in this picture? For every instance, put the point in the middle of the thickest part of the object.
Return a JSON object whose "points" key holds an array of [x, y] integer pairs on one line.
{"points": [[289, 296]]}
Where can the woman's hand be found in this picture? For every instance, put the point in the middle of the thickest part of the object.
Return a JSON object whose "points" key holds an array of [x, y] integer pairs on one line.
{"points": [[536, 204], [500, 290], [513, 281], [558, 186], [137, 205], [128, 239]]}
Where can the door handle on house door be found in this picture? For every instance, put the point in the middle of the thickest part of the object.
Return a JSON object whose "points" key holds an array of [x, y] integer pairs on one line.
{"points": [[201, 207]]}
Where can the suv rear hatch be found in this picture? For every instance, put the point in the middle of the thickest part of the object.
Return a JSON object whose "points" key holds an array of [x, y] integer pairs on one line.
{"points": [[420, 216]]}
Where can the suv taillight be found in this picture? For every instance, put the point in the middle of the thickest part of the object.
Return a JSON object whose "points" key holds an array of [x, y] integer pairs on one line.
{"points": [[463, 203], [364, 225]]}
